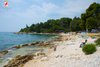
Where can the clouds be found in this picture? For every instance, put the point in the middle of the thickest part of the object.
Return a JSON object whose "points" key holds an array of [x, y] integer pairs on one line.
{"points": [[22, 12]]}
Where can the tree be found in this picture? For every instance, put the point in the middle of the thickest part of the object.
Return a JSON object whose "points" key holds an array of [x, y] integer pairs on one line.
{"points": [[83, 22], [91, 23], [31, 28], [74, 26], [89, 20], [92, 16]]}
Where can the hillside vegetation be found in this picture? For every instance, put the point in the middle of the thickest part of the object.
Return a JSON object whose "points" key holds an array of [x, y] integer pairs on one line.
{"points": [[88, 21]]}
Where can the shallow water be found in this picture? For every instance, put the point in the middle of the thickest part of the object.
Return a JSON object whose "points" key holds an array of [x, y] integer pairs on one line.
{"points": [[8, 39], [22, 51]]}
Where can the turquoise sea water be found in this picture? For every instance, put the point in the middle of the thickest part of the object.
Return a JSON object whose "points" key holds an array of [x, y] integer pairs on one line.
{"points": [[8, 39]]}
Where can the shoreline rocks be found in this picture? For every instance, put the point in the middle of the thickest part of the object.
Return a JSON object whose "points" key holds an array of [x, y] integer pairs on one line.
{"points": [[40, 44], [2, 53], [18, 61], [24, 45]]}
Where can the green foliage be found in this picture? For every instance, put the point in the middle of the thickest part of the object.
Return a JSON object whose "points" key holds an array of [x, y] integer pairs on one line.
{"points": [[50, 26], [97, 42], [91, 23], [83, 21], [89, 20], [89, 49], [74, 25]]}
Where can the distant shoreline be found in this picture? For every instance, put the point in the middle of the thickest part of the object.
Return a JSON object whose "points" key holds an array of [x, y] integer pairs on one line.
{"points": [[36, 33], [61, 38]]}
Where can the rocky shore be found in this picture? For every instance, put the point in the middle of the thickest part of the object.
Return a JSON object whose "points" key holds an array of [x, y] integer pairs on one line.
{"points": [[41, 44], [63, 51], [50, 45], [2, 53], [19, 60], [68, 54]]}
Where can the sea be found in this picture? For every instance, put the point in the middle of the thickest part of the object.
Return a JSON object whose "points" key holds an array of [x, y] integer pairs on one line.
{"points": [[10, 39]]}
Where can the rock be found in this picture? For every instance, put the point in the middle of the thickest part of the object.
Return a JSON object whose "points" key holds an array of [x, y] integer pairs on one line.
{"points": [[2, 53], [17, 47], [33, 43], [18, 61], [41, 54], [24, 45], [37, 42], [44, 44], [44, 58]]}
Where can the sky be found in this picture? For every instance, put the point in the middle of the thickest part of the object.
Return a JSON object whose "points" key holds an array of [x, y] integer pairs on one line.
{"points": [[22, 12]]}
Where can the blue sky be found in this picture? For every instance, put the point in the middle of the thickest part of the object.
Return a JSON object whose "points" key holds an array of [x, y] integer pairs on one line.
{"points": [[22, 12]]}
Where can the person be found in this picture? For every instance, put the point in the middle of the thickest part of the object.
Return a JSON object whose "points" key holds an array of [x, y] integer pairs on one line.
{"points": [[55, 47], [83, 43]]}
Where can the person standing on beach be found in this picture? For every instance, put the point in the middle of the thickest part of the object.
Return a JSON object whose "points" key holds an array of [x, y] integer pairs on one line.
{"points": [[55, 47]]}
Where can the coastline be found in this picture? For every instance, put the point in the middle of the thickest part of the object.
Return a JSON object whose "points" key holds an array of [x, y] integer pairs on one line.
{"points": [[17, 46], [66, 42], [27, 46], [36, 33], [67, 54]]}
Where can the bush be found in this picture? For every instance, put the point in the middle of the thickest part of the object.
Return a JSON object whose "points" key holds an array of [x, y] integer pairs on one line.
{"points": [[89, 49], [97, 42]]}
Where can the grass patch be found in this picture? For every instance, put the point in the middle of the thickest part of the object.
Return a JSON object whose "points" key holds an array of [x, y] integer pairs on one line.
{"points": [[89, 49]]}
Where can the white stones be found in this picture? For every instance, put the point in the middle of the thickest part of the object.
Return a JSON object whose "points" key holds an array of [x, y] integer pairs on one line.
{"points": [[68, 54]]}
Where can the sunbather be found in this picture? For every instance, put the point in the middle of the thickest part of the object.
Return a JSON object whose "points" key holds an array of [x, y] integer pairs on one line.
{"points": [[83, 43]]}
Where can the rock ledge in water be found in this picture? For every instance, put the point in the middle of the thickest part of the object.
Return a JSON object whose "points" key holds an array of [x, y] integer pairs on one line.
{"points": [[18, 61]]}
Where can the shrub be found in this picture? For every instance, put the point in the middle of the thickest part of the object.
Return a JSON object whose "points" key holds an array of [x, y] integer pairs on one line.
{"points": [[89, 49], [97, 42]]}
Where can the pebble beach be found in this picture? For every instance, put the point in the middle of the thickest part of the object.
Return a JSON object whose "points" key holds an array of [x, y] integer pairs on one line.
{"points": [[67, 54]]}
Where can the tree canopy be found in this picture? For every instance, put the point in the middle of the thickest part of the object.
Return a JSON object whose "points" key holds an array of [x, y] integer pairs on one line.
{"points": [[88, 20], [91, 19]]}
